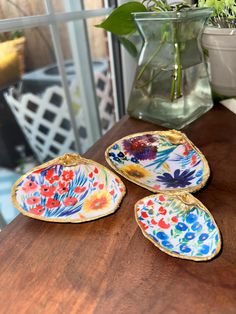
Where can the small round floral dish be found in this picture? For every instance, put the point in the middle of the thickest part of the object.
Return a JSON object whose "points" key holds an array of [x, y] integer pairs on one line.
{"points": [[179, 225], [159, 161], [68, 189]]}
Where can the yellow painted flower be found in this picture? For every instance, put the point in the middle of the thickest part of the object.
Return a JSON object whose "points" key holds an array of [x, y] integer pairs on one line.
{"points": [[135, 171], [97, 201]]}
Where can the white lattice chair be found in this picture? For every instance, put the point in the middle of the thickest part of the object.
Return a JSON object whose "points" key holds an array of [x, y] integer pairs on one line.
{"points": [[44, 119]]}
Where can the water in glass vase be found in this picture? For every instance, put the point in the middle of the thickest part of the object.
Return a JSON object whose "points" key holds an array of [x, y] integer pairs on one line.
{"points": [[171, 86]]}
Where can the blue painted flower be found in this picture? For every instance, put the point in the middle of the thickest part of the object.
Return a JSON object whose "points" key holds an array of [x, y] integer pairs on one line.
{"points": [[199, 173], [116, 146], [181, 226], [162, 235], [204, 249], [199, 180], [117, 159], [210, 225], [196, 226], [184, 248], [189, 235], [217, 238], [178, 179], [135, 160], [203, 236], [167, 244], [112, 154], [191, 218], [121, 155]]}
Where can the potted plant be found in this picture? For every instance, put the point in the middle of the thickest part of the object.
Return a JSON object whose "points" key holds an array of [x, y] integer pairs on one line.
{"points": [[219, 41], [11, 56], [171, 86]]}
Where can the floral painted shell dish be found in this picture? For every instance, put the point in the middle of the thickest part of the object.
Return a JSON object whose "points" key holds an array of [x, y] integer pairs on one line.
{"points": [[68, 189], [179, 224], [159, 161]]}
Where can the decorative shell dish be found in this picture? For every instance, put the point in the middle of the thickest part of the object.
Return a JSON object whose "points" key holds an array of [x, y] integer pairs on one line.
{"points": [[68, 189], [179, 224], [159, 161]]}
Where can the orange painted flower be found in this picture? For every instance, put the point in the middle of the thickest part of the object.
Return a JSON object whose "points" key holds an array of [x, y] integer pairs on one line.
{"points": [[37, 210], [33, 200], [80, 189], [29, 186], [63, 187], [47, 191], [68, 175], [70, 201], [51, 177], [97, 201], [52, 202]]}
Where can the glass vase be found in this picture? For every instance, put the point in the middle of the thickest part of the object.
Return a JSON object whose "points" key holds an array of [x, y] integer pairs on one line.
{"points": [[171, 86]]}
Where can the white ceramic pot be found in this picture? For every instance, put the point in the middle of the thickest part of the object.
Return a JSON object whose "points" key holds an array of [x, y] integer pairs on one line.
{"points": [[221, 46]]}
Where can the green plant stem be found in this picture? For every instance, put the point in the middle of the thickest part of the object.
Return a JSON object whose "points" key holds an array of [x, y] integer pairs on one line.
{"points": [[177, 73], [151, 58]]}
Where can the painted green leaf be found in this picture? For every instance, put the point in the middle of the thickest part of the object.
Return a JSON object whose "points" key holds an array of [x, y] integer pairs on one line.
{"points": [[120, 21]]}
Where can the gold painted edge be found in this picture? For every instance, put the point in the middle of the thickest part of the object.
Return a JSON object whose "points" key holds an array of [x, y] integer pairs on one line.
{"points": [[200, 204], [206, 168], [56, 161]]}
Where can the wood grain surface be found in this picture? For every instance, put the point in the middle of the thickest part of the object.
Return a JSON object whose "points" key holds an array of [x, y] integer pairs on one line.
{"points": [[107, 266]]}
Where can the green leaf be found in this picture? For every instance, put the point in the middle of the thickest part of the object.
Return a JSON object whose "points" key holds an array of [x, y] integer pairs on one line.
{"points": [[120, 21], [129, 46]]}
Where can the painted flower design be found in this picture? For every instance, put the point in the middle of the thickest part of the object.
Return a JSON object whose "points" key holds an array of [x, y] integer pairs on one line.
{"points": [[136, 171], [51, 177], [63, 187], [37, 210], [141, 147], [33, 200], [70, 201], [52, 203], [67, 175], [80, 189], [178, 179], [47, 191], [99, 200], [29, 186]]}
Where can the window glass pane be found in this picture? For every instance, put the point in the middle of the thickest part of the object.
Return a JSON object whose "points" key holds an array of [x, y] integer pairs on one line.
{"points": [[18, 8]]}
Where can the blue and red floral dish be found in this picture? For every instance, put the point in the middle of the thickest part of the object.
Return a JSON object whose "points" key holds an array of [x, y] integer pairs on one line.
{"points": [[179, 224], [68, 189], [159, 161]]}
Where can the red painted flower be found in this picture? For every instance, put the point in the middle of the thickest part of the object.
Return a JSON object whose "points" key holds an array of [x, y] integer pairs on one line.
{"points": [[193, 160], [37, 210], [161, 198], [144, 214], [68, 175], [162, 210], [174, 219], [153, 222], [52, 202], [29, 186], [80, 189], [51, 177], [143, 225], [95, 170], [63, 187], [33, 200], [47, 191], [101, 186], [150, 203], [70, 201], [162, 224]]}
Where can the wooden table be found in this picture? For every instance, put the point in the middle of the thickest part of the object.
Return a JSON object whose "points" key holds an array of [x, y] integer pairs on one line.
{"points": [[107, 266]]}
